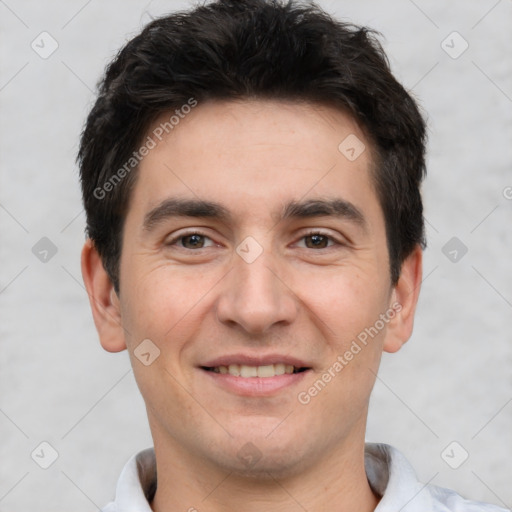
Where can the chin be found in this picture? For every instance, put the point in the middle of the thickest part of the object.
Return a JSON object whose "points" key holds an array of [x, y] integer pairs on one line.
{"points": [[263, 460]]}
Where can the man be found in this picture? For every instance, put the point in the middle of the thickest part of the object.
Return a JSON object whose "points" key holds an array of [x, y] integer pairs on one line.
{"points": [[250, 174]]}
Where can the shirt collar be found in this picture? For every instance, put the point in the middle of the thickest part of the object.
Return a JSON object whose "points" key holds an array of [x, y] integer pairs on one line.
{"points": [[392, 477], [137, 483]]}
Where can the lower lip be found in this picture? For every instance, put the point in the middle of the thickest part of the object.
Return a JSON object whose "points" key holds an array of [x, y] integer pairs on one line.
{"points": [[256, 386]]}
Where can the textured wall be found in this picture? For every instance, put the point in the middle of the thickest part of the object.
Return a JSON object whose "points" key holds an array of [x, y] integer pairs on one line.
{"points": [[451, 382]]}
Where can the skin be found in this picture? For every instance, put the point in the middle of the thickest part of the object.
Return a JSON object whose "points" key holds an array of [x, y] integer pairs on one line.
{"points": [[196, 304]]}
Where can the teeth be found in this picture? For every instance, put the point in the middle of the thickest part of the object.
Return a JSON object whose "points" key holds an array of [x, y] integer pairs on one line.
{"points": [[244, 371], [265, 371], [248, 371], [234, 369], [279, 369]]}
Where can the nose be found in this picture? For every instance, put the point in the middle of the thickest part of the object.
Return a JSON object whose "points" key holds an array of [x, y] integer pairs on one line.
{"points": [[256, 296]]}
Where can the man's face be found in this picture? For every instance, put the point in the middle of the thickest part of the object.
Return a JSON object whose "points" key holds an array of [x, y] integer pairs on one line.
{"points": [[268, 279]]}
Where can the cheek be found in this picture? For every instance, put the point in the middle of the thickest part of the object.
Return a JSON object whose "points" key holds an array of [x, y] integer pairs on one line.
{"points": [[148, 309], [163, 303], [160, 310], [150, 295], [345, 301]]}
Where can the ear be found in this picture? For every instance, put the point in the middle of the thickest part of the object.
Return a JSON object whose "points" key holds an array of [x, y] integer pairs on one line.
{"points": [[103, 299], [404, 297]]}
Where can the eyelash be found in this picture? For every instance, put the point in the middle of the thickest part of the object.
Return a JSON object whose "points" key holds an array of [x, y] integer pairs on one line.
{"points": [[319, 232]]}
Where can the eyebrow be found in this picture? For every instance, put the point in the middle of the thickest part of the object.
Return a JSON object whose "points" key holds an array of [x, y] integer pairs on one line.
{"points": [[334, 207], [197, 208], [174, 207]]}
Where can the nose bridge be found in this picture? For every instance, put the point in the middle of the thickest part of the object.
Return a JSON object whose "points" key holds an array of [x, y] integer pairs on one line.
{"points": [[253, 295]]}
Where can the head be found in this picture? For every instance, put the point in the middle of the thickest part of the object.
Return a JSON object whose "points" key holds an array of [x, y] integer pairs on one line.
{"points": [[251, 174]]}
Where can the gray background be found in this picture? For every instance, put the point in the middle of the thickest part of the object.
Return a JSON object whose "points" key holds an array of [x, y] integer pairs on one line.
{"points": [[451, 382]]}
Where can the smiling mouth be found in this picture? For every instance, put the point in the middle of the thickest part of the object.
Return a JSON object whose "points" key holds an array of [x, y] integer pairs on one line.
{"points": [[245, 371]]}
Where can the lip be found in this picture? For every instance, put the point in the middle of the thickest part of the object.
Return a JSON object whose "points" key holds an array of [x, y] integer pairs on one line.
{"points": [[255, 360], [255, 386]]}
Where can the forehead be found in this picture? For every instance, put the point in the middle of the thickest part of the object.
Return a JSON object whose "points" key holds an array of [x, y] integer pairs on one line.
{"points": [[255, 153], [240, 125]]}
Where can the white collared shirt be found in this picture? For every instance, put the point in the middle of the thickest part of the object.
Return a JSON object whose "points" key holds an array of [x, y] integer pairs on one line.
{"points": [[389, 473]]}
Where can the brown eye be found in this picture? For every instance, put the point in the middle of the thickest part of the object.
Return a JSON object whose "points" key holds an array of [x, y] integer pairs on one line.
{"points": [[190, 240], [317, 241], [194, 241]]}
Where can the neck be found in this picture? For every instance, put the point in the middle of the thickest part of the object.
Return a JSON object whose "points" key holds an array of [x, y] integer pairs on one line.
{"points": [[188, 485]]}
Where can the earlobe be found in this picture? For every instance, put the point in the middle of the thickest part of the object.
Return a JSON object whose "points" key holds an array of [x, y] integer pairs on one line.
{"points": [[103, 300], [404, 297]]}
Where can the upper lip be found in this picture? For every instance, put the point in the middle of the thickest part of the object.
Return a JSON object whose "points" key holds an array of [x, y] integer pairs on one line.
{"points": [[255, 360]]}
